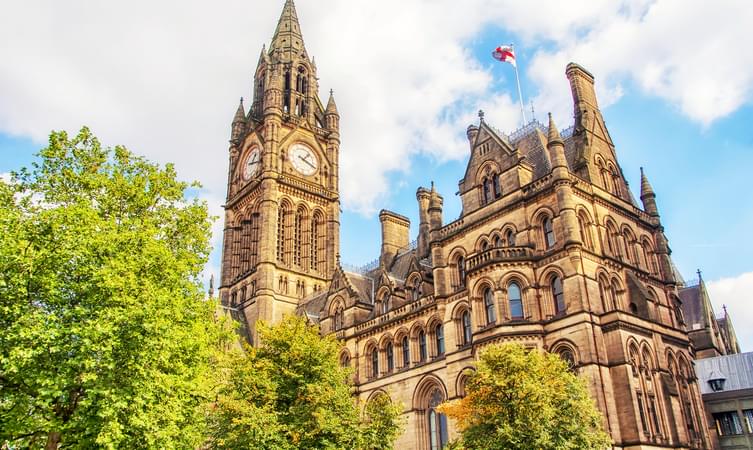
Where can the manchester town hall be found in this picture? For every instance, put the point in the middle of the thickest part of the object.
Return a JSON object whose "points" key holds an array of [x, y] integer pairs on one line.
{"points": [[551, 250]]}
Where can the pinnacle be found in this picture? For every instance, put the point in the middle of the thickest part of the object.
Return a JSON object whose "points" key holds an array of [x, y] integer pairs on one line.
{"points": [[240, 113], [331, 105], [554, 134], [646, 188]]}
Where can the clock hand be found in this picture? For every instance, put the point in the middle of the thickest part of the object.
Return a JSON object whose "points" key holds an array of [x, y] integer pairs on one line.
{"points": [[307, 162]]}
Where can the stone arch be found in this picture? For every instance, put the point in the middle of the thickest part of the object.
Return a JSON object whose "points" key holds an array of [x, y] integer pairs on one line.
{"points": [[378, 393], [568, 351], [457, 267], [344, 357], [585, 224], [462, 379], [543, 222], [427, 388], [511, 308], [482, 243], [613, 247]]}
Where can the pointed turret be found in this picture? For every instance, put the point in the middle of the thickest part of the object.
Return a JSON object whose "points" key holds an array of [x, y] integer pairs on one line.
{"points": [[288, 35], [648, 197], [556, 146], [239, 122], [331, 105], [331, 116], [554, 135]]}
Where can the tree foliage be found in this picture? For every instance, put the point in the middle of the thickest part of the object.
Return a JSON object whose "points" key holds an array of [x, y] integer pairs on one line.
{"points": [[291, 393], [105, 338], [520, 399]]}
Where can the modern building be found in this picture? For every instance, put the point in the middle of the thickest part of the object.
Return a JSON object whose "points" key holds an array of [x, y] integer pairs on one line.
{"points": [[550, 250], [726, 384]]}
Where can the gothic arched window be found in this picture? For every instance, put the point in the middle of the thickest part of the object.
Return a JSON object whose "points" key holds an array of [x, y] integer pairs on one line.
{"points": [[516, 300], [374, 362], [497, 186], [487, 191], [282, 215], [558, 295], [385, 303], [338, 318], [405, 344], [317, 243], [465, 318], [415, 289], [546, 226], [390, 357], [422, 346], [510, 238], [439, 338], [437, 425], [491, 314], [298, 236], [460, 270]]}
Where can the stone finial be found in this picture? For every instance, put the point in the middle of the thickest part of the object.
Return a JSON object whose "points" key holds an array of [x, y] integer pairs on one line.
{"points": [[481, 115]]}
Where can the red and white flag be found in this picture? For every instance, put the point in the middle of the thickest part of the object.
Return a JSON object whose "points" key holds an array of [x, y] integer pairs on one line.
{"points": [[506, 54]]}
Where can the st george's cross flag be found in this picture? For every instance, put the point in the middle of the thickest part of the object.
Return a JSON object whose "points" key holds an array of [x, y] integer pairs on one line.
{"points": [[505, 53]]}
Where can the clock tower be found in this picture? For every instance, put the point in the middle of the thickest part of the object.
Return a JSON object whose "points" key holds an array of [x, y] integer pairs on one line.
{"points": [[281, 237]]}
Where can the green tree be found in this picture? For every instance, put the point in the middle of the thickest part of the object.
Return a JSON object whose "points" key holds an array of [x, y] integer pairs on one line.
{"points": [[291, 393], [520, 399], [106, 340]]}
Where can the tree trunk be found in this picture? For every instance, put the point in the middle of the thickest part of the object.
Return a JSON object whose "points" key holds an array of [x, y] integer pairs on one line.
{"points": [[53, 439]]}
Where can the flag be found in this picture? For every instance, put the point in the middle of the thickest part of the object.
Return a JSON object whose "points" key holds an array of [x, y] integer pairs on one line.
{"points": [[505, 53]]}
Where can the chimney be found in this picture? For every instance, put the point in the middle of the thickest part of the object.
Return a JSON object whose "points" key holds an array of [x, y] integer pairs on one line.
{"points": [[582, 88], [435, 210], [423, 196], [395, 235]]}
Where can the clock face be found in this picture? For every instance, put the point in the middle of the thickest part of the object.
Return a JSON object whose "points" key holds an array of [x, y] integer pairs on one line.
{"points": [[303, 159], [252, 164]]}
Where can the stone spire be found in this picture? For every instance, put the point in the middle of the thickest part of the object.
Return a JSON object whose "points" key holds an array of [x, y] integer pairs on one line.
{"points": [[648, 197], [288, 35]]}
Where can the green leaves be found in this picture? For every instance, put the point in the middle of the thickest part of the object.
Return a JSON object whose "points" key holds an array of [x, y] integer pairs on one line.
{"points": [[520, 399], [291, 393], [106, 340]]}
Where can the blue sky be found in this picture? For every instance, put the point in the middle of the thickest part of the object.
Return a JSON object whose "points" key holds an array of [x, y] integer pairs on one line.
{"points": [[409, 77]]}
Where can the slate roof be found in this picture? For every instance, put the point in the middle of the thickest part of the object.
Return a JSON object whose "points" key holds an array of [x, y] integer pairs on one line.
{"points": [[692, 307]]}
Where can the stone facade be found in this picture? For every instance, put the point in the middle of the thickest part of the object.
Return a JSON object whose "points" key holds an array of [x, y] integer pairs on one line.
{"points": [[551, 251]]}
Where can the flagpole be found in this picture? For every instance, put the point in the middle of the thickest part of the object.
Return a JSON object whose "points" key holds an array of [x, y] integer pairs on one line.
{"points": [[520, 92]]}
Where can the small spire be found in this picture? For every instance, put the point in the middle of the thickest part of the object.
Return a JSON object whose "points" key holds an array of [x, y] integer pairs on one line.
{"points": [[700, 277], [554, 134], [432, 186], [646, 189], [240, 113], [481, 115], [211, 286], [331, 105]]}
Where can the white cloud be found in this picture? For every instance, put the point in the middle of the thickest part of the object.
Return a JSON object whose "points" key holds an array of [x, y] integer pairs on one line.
{"points": [[164, 77], [685, 52], [735, 293], [5, 177]]}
